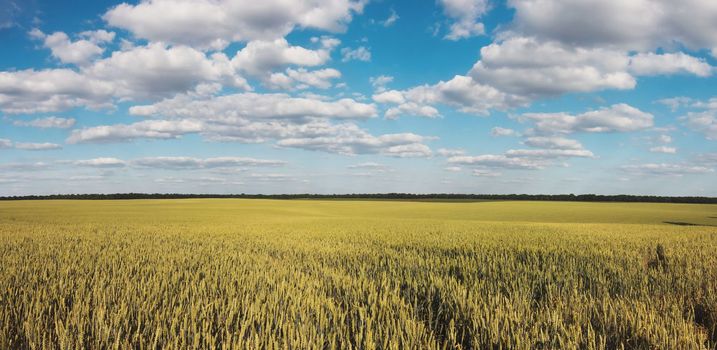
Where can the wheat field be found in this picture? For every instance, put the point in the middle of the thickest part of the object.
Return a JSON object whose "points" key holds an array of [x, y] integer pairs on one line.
{"points": [[268, 274]]}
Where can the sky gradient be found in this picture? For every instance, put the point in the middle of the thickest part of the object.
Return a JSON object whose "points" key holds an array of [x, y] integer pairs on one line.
{"points": [[349, 96]]}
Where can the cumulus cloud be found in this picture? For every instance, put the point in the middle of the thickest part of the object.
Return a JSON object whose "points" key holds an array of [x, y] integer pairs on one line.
{"points": [[663, 149], [28, 146], [156, 70], [74, 52], [379, 82], [485, 173], [32, 146], [450, 152], [391, 96], [349, 139], [663, 138], [48, 122], [368, 165], [499, 131], [702, 122], [549, 153], [553, 142], [407, 150], [49, 90], [534, 69], [143, 72], [669, 63], [206, 163], [637, 25], [213, 24], [675, 102], [256, 106], [260, 58], [179, 162], [665, 169], [297, 122], [392, 18], [497, 161], [412, 109], [616, 118], [102, 162], [148, 129], [98, 36], [302, 78], [360, 53], [461, 92], [465, 15]]}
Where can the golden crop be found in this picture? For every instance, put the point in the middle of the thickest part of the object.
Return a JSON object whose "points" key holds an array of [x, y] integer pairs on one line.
{"points": [[263, 274]]}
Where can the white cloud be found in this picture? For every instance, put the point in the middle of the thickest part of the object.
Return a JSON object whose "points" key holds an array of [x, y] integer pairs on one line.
{"points": [[151, 129], [9, 14], [616, 118], [31, 146], [702, 122], [379, 82], [31, 167], [665, 169], [48, 122], [298, 122], [461, 92], [360, 53], [663, 149], [450, 152], [368, 165], [255, 106], [348, 139], [320, 78], [549, 153], [412, 109], [630, 25], [497, 161], [499, 131], [465, 14], [409, 150], [390, 96], [199, 163], [31, 91], [675, 102], [453, 169], [549, 149], [708, 158], [213, 24], [708, 104], [156, 70], [98, 36], [485, 173], [553, 142], [102, 162], [259, 58], [669, 63], [391, 19], [664, 139], [78, 52], [141, 73], [534, 69]]}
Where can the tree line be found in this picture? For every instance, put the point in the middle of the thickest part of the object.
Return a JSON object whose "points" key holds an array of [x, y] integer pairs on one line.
{"points": [[385, 196]]}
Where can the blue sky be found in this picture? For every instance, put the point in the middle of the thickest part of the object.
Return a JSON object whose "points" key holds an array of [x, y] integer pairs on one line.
{"points": [[347, 96]]}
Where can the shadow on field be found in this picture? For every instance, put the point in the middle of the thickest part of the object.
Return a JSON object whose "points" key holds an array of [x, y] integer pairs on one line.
{"points": [[681, 223]]}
